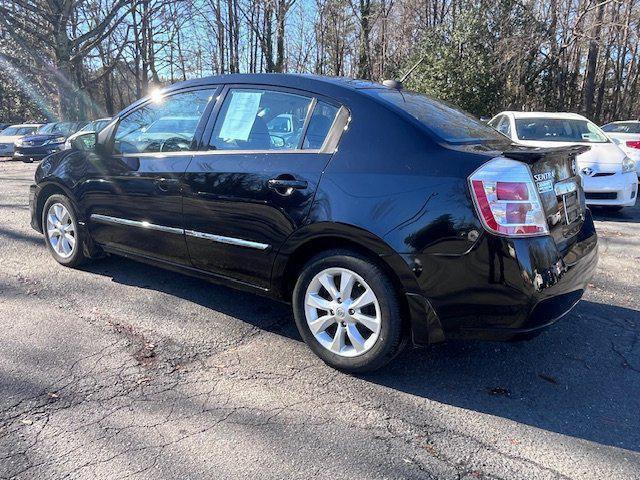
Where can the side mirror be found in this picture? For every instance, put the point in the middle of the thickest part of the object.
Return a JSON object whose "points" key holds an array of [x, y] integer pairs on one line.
{"points": [[85, 141]]}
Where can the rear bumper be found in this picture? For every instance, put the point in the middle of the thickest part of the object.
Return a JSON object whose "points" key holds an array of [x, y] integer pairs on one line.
{"points": [[503, 288], [619, 189]]}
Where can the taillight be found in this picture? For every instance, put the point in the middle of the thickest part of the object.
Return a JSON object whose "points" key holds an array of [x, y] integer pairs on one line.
{"points": [[507, 200], [633, 144]]}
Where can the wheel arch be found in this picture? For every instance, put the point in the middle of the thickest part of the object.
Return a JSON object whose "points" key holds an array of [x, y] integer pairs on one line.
{"points": [[310, 240], [46, 190]]}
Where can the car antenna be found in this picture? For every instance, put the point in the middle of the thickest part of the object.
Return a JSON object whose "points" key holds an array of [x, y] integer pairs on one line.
{"points": [[397, 84]]}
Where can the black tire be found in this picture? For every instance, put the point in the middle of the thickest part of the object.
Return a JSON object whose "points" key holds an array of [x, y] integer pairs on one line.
{"points": [[77, 256], [391, 336]]}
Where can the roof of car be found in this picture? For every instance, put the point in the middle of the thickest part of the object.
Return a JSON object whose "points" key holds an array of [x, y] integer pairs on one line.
{"points": [[20, 125], [293, 80], [559, 115], [624, 121]]}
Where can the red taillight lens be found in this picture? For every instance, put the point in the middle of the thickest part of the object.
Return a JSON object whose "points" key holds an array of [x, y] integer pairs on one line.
{"points": [[512, 191], [633, 144], [507, 200]]}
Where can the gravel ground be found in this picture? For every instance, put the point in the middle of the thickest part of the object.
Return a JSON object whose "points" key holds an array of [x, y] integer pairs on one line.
{"points": [[125, 370]]}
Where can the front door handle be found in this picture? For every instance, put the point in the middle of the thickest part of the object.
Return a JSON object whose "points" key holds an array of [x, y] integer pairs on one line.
{"points": [[286, 184]]}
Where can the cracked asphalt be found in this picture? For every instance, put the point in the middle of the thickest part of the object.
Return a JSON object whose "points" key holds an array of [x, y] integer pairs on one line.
{"points": [[122, 370]]}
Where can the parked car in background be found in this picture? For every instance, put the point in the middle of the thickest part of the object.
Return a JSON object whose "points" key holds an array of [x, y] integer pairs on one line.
{"points": [[385, 217], [3, 126], [627, 136], [48, 139], [608, 175], [13, 133], [93, 126]]}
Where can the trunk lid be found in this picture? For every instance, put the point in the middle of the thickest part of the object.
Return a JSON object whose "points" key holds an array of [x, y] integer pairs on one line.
{"points": [[555, 173]]}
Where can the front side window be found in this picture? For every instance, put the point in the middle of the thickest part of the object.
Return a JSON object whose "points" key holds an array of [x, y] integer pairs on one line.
{"points": [[622, 127], [257, 119], [559, 130], [167, 124]]}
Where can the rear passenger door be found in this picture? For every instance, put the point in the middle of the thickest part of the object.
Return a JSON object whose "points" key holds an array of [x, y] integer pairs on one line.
{"points": [[254, 181]]}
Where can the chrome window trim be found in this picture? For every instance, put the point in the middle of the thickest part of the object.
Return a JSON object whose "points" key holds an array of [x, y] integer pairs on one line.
{"points": [[255, 152], [106, 219], [228, 240]]}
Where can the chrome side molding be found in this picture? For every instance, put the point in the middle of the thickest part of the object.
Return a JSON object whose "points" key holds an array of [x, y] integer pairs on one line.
{"points": [[106, 219], [133, 223], [228, 240]]}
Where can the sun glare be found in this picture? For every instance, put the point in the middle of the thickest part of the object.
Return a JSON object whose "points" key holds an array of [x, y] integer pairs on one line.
{"points": [[156, 96]]}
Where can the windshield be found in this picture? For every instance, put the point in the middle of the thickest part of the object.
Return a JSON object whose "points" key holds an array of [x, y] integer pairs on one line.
{"points": [[17, 131], [622, 127], [95, 126], [445, 121], [559, 130], [57, 128]]}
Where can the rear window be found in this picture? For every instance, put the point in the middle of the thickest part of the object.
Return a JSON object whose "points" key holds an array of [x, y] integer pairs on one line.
{"points": [[445, 121], [559, 130], [622, 127]]}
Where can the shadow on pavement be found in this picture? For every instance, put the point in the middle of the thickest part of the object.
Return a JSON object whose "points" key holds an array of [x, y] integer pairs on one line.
{"points": [[625, 215], [580, 378], [260, 311]]}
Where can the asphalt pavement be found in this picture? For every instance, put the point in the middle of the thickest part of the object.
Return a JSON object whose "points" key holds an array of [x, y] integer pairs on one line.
{"points": [[122, 370]]}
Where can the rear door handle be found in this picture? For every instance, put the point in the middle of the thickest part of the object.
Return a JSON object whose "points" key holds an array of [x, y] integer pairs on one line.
{"points": [[286, 186], [165, 184]]}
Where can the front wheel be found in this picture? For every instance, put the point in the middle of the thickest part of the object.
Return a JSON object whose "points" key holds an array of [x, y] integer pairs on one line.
{"points": [[347, 311], [61, 233]]}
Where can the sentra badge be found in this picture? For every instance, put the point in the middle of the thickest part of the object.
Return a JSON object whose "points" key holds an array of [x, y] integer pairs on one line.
{"points": [[544, 181]]}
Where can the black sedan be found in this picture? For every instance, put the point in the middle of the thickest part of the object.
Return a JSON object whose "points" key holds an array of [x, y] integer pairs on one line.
{"points": [[383, 216], [48, 139]]}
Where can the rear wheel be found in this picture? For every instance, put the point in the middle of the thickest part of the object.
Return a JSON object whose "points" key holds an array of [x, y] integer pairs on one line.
{"points": [[62, 235], [347, 311]]}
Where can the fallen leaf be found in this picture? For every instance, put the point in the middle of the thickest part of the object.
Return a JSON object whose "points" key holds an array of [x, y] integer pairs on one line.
{"points": [[548, 378], [500, 391]]}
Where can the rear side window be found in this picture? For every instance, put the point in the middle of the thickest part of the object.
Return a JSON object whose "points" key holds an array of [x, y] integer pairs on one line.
{"points": [[257, 119], [167, 124], [445, 121], [622, 127], [272, 120]]}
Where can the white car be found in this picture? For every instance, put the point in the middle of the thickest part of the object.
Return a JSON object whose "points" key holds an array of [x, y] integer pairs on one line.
{"points": [[10, 135], [627, 136], [608, 175], [93, 126]]}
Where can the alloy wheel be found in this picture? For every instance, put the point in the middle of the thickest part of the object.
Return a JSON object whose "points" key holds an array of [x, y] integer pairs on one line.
{"points": [[342, 312], [61, 230]]}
